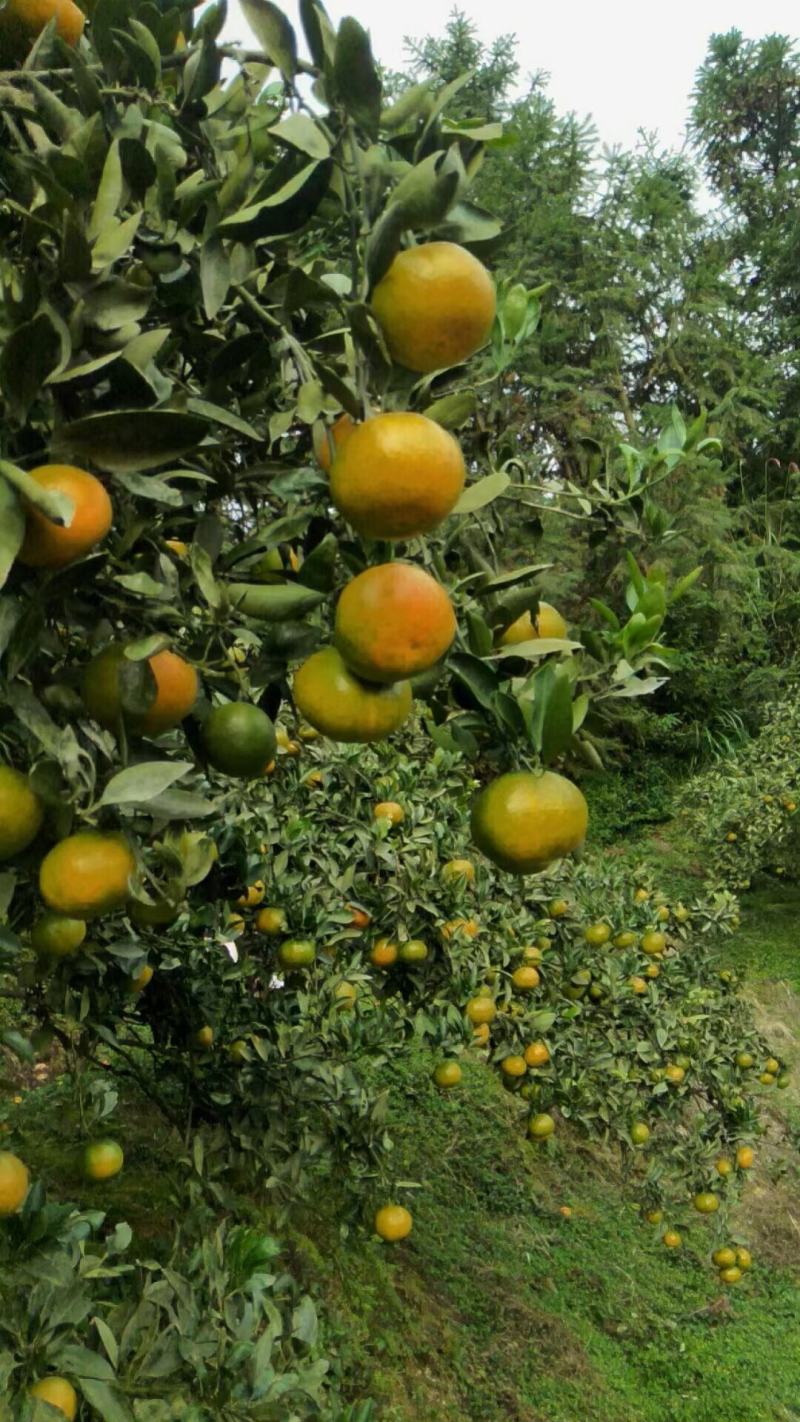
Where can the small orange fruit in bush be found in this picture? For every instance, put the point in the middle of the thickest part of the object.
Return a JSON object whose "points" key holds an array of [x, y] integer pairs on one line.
{"points": [[271, 921], [142, 979], [724, 1166], [767, 1078], [772, 1065], [625, 939], [537, 1054], [55, 1390], [435, 305], [297, 953], [14, 1182], [547, 623], [346, 995], [706, 1202], [389, 810], [514, 1066], [393, 621], [654, 1216], [481, 1034], [522, 821], [252, 896], [176, 688], [458, 871], [327, 442], [447, 1075], [653, 941], [393, 1222], [56, 936], [597, 934], [641, 896], [652, 970], [637, 985], [724, 1258], [640, 1133], [526, 978], [21, 812], [239, 739], [384, 953], [397, 476], [557, 908], [565, 1211], [745, 1060], [86, 874], [204, 1038], [674, 1073], [541, 1126], [45, 544], [102, 1160], [414, 950], [671, 1239], [481, 1010], [731, 1275], [342, 706], [744, 1258], [454, 926], [359, 917], [745, 1156], [532, 954]]}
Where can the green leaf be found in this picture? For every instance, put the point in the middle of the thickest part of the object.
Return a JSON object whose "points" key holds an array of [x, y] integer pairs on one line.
{"points": [[685, 583], [479, 634], [204, 575], [538, 647], [551, 722], [319, 32], [482, 492], [356, 77], [140, 783], [179, 805], [319, 567], [427, 192], [477, 677], [453, 411], [12, 529], [413, 102], [117, 303], [18, 1044], [274, 33], [109, 193], [283, 211], [31, 353], [114, 240], [273, 602], [300, 131], [146, 486], [127, 441], [215, 275], [106, 1401]]}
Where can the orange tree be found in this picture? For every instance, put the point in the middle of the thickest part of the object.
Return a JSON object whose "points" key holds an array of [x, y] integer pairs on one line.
{"points": [[200, 272]]}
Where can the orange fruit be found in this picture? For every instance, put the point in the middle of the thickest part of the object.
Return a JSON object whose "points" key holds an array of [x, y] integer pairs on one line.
{"points": [[56, 936], [14, 1181], [45, 545], [359, 917], [297, 953], [389, 810], [522, 821], [204, 1038], [239, 739], [383, 953], [745, 1060], [142, 979], [21, 812], [176, 687], [468, 926], [102, 1160], [744, 1258], [745, 1156], [706, 1202], [481, 1011], [435, 305], [730, 1276], [541, 1126], [397, 476], [637, 985], [22, 20], [653, 941], [652, 970], [640, 1133], [525, 978], [671, 1239], [344, 707], [641, 896], [654, 1216], [56, 1391], [177, 546], [514, 1066], [674, 1073], [414, 950], [557, 908], [724, 1258], [597, 934], [447, 1075], [328, 441], [547, 623], [271, 921], [392, 622], [86, 874], [345, 995], [537, 1054], [458, 871], [481, 1034], [393, 1222], [724, 1166], [252, 896], [772, 1065]]}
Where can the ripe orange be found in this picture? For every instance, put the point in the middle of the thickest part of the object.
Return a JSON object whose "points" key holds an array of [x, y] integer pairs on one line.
{"points": [[21, 812], [45, 544], [744, 1258], [522, 821], [541, 1126], [297, 953], [271, 921], [389, 810], [637, 985], [447, 1075], [435, 305], [342, 706], [745, 1156], [772, 1065], [514, 1066], [458, 871], [397, 476], [102, 1160], [724, 1258], [252, 896], [674, 1073], [525, 978], [22, 20], [359, 917], [641, 896], [383, 953], [327, 442], [239, 739], [392, 622], [468, 926], [745, 1060], [652, 970], [706, 1202], [671, 1239], [393, 1222], [481, 1034], [481, 1010], [55, 1390], [537, 1054], [56, 936], [14, 1181], [175, 694], [724, 1166], [86, 874], [547, 623], [142, 979]]}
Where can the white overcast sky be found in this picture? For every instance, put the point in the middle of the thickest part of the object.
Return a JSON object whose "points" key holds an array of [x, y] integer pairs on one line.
{"points": [[628, 64]]}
